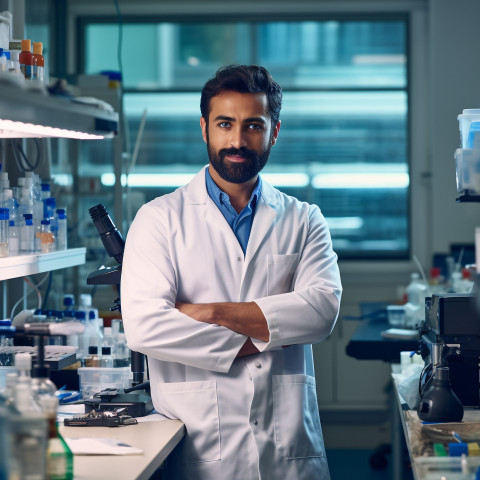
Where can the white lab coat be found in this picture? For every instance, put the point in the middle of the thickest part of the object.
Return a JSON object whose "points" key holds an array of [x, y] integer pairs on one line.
{"points": [[250, 418]]}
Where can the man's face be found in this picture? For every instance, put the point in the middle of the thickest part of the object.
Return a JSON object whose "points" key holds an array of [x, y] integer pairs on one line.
{"points": [[239, 135]]}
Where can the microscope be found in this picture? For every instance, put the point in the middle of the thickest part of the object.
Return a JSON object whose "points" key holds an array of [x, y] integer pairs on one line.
{"points": [[137, 398], [450, 337]]}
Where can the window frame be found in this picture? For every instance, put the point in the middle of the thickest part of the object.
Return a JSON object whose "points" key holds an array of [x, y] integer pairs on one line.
{"points": [[414, 14]]}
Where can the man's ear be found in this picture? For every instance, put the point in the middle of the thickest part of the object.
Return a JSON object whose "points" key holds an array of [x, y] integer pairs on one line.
{"points": [[203, 126], [275, 133]]}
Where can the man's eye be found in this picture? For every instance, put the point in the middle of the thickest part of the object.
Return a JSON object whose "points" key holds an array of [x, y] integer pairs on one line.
{"points": [[255, 126], [224, 124]]}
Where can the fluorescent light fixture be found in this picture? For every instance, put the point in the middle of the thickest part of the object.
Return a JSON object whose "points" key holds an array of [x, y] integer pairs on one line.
{"points": [[149, 180], [287, 179], [179, 179], [361, 180], [344, 223], [10, 129], [63, 179]]}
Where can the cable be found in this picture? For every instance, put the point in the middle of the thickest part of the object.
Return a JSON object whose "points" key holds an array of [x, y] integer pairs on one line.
{"points": [[20, 157], [34, 288], [120, 37]]}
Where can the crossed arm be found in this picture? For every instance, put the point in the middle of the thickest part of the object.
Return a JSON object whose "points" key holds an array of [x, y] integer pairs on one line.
{"points": [[242, 317]]}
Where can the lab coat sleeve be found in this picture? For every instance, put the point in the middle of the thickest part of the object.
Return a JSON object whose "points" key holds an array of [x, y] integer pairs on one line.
{"points": [[308, 313], [152, 324]]}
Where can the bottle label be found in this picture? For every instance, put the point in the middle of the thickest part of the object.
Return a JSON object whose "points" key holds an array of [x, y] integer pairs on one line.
{"points": [[26, 70]]}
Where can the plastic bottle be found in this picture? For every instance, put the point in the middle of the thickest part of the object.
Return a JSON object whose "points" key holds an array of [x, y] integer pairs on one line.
{"points": [[3, 60], [61, 229], [107, 358], [27, 245], [38, 62], [4, 224], [29, 434], [47, 239], [416, 292], [59, 455], [26, 59], [13, 239]]}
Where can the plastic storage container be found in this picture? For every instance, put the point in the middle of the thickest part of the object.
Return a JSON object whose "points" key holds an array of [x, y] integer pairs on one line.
{"points": [[467, 167], [469, 124], [94, 380]]}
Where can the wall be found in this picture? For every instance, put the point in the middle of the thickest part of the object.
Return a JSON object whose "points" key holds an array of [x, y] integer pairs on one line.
{"points": [[454, 66]]}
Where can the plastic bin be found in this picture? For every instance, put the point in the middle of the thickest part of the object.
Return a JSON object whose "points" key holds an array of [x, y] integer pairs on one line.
{"points": [[93, 380], [469, 124], [467, 166]]}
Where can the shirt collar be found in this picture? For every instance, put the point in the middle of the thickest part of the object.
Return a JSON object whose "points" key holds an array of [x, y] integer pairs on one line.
{"points": [[220, 196]]}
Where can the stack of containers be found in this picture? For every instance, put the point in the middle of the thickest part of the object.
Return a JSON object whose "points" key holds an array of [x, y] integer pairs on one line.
{"points": [[467, 158]]}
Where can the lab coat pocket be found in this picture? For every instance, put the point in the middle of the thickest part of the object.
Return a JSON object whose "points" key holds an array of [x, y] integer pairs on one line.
{"points": [[196, 405], [280, 271], [298, 433]]}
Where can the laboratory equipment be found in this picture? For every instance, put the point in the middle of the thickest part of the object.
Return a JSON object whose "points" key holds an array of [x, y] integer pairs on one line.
{"points": [[450, 337], [136, 398]]}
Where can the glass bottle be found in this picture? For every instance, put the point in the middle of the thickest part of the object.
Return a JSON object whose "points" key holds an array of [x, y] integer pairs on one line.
{"points": [[27, 245], [92, 360], [47, 239], [13, 239], [59, 455], [26, 59], [61, 238], [38, 61], [107, 358]]}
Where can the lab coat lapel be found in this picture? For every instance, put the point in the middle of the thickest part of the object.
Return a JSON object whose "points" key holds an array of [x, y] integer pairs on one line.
{"points": [[197, 194], [265, 214]]}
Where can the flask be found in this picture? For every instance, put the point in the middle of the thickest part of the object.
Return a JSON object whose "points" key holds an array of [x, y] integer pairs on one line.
{"points": [[61, 229], [26, 59], [27, 245], [47, 240], [59, 455], [13, 239], [38, 61], [107, 358], [4, 224]]}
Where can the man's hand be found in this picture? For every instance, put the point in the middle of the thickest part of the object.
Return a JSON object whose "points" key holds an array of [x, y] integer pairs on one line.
{"points": [[241, 317]]}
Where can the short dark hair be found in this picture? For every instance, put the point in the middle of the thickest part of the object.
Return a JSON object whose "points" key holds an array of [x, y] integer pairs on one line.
{"points": [[243, 79]]}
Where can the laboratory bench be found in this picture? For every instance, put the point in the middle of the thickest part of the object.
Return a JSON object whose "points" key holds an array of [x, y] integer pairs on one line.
{"points": [[420, 438], [156, 439]]}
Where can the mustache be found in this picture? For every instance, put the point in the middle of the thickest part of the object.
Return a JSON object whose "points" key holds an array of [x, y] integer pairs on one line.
{"points": [[243, 151]]}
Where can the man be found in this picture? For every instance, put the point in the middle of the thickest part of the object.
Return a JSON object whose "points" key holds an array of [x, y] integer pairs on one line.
{"points": [[226, 284]]}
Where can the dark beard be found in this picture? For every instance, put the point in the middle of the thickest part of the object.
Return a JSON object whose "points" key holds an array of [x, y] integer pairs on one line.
{"points": [[238, 172]]}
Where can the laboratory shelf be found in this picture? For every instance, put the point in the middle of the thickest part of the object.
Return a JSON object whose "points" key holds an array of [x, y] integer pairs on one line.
{"points": [[21, 265], [34, 107]]}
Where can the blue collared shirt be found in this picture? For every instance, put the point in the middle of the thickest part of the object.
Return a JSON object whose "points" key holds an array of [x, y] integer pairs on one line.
{"points": [[240, 223]]}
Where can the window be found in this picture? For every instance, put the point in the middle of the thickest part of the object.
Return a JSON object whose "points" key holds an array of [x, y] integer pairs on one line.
{"points": [[344, 138]]}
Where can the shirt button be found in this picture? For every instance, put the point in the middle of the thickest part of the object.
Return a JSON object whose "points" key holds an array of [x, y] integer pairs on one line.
{"points": [[239, 259], [258, 364], [255, 422]]}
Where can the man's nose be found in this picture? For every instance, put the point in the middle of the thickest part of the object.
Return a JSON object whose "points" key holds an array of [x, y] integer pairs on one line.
{"points": [[237, 139]]}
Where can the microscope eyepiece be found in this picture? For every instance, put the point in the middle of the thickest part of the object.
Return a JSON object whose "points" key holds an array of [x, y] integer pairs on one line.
{"points": [[111, 238]]}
